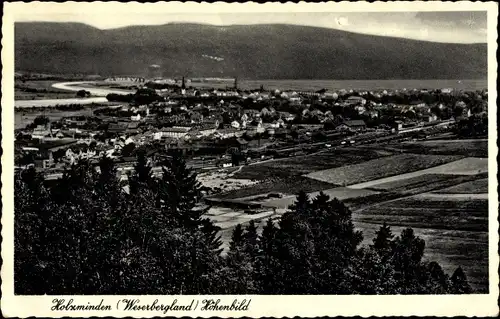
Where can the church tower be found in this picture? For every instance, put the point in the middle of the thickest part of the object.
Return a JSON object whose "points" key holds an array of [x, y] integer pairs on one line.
{"points": [[183, 86]]}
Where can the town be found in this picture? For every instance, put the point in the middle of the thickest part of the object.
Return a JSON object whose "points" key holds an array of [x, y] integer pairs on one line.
{"points": [[222, 128]]}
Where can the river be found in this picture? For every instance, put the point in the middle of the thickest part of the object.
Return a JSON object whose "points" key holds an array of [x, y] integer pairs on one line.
{"points": [[98, 93]]}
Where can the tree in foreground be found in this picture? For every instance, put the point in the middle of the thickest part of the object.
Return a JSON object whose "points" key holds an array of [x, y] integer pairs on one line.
{"points": [[84, 234]]}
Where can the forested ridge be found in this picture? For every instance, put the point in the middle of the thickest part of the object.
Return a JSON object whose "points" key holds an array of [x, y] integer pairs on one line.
{"points": [[272, 51]]}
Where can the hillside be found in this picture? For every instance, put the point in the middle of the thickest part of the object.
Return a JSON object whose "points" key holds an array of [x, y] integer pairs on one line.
{"points": [[251, 52]]}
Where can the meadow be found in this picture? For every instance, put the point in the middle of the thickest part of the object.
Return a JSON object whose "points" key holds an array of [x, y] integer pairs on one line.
{"points": [[478, 186], [470, 148], [429, 187], [37, 90], [380, 168], [300, 165]]}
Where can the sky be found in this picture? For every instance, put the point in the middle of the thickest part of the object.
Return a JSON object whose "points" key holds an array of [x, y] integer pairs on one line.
{"points": [[440, 26]]}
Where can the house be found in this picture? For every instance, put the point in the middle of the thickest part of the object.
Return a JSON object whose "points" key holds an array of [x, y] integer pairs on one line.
{"points": [[132, 128], [354, 125], [235, 124], [173, 132], [46, 149], [244, 118], [355, 100], [228, 133], [205, 129], [287, 116], [251, 113], [429, 118], [41, 132], [417, 103], [117, 128]]}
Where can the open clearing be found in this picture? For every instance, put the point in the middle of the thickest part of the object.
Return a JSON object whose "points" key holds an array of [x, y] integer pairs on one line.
{"points": [[469, 147], [379, 168], [424, 183], [21, 119], [300, 165], [222, 181], [459, 213], [288, 186], [479, 186]]}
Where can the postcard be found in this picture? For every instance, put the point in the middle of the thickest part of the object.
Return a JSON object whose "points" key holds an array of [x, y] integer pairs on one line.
{"points": [[249, 160]]}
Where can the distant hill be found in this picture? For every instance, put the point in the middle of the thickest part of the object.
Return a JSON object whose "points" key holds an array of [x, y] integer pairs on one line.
{"points": [[250, 52]]}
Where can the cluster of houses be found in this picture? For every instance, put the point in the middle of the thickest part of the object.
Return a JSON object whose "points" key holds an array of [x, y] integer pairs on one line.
{"points": [[178, 120]]}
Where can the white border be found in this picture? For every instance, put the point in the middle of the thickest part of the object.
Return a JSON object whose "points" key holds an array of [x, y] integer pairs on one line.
{"points": [[276, 306]]}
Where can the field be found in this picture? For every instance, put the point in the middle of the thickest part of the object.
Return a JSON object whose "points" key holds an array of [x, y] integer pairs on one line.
{"points": [[37, 90], [424, 183], [470, 148], [380, 168], [301, 165], [21, 119], [436, 213], [443, 197], [473, 187]]}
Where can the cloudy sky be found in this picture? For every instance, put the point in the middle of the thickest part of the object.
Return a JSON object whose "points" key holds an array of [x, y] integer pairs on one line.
{"points": [[455, 27]]}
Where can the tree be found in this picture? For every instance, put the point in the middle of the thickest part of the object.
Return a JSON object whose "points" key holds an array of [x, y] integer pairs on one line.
{"points": [[251, 240], [128, 149], [266, 262], [459, 283], [383, 240], [179, 192], [41, 120], [237, 238], [407, 252], [142, 174], [82, 93]]}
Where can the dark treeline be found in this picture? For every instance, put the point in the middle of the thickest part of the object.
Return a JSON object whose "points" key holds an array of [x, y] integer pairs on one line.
{"points": [[83, 234]]}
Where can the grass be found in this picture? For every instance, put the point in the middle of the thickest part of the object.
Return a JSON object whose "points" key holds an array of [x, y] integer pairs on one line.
{"points": [[380, 168], [479, 186], [21, 119], [470, 148], [301, 165], [470, 215], [37, 90], [424, 183]]}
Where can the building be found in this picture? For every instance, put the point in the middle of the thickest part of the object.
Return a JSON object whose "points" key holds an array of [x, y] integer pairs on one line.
{"points": [[429, 118], [229, 132], [41, 132], [354, 125], [355, 100], [172, 132]]}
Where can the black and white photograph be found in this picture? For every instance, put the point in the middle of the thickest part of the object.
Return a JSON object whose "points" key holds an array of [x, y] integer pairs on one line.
{"points": [[206, 152]]}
